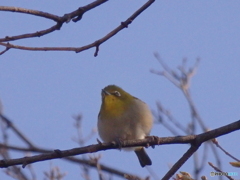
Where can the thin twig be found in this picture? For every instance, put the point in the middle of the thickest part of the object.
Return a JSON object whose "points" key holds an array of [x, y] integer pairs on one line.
{"points": [[6, 49], [182, 81], [204, 156], [218, 170], [168, 114], [15, 129], [65, 18], [60, 20], [227, 153], [31, 12]]}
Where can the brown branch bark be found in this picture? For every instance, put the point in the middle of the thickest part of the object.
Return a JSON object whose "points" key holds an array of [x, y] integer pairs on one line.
{"points": [[31, 12], [60, 20], [71, 159], [75, 16], [194, 140]]}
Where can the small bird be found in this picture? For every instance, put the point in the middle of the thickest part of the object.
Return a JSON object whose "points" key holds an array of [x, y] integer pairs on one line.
{"points": [[124, 117]]}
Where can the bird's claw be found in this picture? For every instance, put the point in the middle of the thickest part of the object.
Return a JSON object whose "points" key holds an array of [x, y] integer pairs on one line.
{"points": [[118, 142], [99, 142]]}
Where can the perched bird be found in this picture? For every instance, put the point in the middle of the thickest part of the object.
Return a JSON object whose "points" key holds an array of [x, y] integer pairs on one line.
{"points": [[124, 117]]}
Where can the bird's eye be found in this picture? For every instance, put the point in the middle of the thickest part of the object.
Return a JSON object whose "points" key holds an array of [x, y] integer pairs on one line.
{"points": [[116, 93]]}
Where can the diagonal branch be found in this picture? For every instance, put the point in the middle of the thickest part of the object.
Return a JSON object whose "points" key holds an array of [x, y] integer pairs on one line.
{"points": [[18, 132], [181, 161]]}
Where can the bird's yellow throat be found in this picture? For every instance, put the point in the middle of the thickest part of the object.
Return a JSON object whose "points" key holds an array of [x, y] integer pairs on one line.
{"points": [[113, 107]]}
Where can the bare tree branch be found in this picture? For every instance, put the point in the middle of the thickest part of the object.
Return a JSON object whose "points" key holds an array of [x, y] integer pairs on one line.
{"points": [[182, 80], [71, 159], [35, 149], [20, 134], [194, 140], [60, 20]]}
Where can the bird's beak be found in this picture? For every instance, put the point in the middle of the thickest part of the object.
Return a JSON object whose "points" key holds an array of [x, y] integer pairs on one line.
{"points": [[105, 92]]}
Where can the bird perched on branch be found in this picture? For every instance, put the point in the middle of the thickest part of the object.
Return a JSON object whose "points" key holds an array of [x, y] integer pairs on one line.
{"points": [[124, 117]]}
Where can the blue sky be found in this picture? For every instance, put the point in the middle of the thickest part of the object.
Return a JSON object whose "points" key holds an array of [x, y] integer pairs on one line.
{"points": [[41, 91]]}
